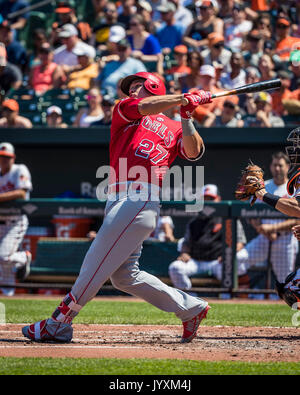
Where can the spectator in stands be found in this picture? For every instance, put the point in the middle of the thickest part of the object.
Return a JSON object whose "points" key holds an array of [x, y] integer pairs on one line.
{"points": [[207, 81], [54, 117], [99, 9], [263, 25], [236, 31], [94, 111], [295, 68], [207, 22], [82, 75], [183, 15], [215, 54], [67, 15], [46, 75], [191, 80], [254, 49], [15, 183], [16, 53], [107, 105], [229, 117], [252, 76], [145, 10], [226, 11], [39, 38], [126, 11], [64, 54], [237, 76], [102, 28], [10, 116], [10, 75], [281, 94], [181, 68], [201, 248], [263, 116], [112, 71], [164, 230], [266, 68], [285, 43], [144, 45], [170, 33], [292, 104], [10, 6]]}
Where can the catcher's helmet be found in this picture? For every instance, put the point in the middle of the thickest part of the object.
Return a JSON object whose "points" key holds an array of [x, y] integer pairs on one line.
{"points": [[293, 151], [289, 291], [152, 83]]}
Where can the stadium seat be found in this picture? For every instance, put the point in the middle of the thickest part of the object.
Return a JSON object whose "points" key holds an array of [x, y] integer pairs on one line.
{"points": [[85, 11], [29, 105], [36, 118], [21, 94]]}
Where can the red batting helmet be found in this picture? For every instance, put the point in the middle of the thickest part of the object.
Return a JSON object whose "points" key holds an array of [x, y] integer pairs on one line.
{"points": [[152, 83]]}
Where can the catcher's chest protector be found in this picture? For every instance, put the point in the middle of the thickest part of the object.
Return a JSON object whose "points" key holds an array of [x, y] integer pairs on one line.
{"points": [[294, 182]]}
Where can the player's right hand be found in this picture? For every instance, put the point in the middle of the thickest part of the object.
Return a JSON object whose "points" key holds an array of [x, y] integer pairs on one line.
{"points": [[205, 96]]}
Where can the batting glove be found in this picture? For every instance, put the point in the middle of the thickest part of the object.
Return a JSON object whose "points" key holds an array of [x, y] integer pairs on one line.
{"points": [[195, 99]]}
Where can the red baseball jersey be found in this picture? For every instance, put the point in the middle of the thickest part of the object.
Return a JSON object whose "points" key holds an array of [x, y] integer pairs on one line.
{"points": [[151, 141]]}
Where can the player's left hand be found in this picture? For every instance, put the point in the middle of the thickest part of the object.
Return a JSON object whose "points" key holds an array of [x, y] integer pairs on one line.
{"points": [[194, 100]]}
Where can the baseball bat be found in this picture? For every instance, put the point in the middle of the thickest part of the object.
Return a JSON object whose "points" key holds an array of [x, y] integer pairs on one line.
{"points": [[249, 88]]}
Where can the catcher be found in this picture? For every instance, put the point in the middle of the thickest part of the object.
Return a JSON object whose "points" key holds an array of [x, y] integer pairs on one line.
{"points": [[251, 186]]}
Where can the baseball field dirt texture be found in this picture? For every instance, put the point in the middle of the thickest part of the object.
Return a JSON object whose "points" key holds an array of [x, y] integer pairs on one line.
{"points": [[239, 336]]}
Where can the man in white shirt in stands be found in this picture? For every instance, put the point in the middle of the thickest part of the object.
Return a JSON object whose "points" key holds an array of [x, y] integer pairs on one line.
{"points": [[64, 54], [15, 183]]}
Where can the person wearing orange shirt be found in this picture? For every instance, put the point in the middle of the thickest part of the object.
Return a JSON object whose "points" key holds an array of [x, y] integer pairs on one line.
{"points": [[180, 56], [284, 42], [259, 5]]}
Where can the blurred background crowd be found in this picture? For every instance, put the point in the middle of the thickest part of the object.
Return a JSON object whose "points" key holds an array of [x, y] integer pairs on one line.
{"points": [[61, 62]]}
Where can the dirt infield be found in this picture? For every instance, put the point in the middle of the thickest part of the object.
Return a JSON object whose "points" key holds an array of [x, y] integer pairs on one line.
{"points": [[153, 341]]}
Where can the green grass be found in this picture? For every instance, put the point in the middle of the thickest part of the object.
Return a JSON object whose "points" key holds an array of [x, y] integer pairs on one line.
{"points": [[92, 366], [116, 312]]}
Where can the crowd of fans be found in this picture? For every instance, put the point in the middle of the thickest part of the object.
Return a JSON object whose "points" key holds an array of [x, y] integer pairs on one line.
{"points": [[191, 44]]}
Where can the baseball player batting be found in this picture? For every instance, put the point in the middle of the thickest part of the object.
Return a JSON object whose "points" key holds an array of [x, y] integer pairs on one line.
{"points": [[145, 137], [252, 186]]}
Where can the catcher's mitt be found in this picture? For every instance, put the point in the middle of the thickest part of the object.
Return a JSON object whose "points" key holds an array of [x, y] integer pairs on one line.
{"points": [[251, 182]]}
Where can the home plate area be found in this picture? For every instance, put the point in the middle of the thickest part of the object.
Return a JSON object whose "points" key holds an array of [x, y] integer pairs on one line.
{"points": [[213, 343]]}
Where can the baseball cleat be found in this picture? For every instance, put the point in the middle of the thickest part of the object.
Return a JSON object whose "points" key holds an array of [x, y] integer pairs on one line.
{"points": [[190, 327], [24, 271], [48, 330]]}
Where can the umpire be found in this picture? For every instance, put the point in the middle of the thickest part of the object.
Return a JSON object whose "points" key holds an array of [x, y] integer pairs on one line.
{"points": [[201, 247]]}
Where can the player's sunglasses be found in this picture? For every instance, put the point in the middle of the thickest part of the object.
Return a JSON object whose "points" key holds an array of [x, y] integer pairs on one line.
{"points": [[282, 27], [134, 24], [89, 97]]}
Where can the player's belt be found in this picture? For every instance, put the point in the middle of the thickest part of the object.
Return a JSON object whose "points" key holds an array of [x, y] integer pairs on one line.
{"points": [[128, 187]]}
